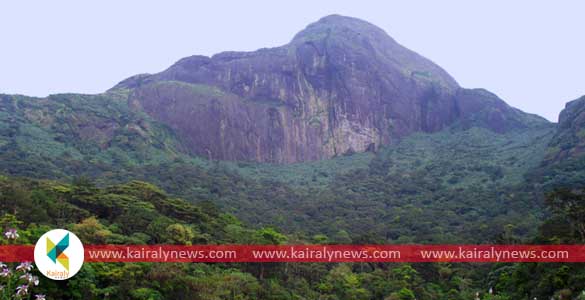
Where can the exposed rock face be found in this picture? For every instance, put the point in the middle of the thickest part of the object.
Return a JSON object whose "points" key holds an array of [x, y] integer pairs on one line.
{"points": [[340, 85], [569, 141]]}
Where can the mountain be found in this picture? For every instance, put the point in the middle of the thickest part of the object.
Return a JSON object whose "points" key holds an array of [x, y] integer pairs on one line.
{"points": [[340, 136], [68, 135], [569, 142], [341, 85]]}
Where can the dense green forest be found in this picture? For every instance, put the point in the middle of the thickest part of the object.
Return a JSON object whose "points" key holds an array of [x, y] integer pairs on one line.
{"points": [[132, 182], [140, 213], [452, 179]]}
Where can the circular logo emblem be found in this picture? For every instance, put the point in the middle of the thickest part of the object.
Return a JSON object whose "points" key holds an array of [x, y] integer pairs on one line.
{"points": [[59, 254]]}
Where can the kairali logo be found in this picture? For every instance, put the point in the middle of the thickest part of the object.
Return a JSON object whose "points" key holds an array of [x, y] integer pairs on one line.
{"points": [[59, 254]]}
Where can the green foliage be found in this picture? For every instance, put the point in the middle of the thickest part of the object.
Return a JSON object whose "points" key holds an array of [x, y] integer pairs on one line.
{"points": [[69, 134], [402, 294], [269, 236], [464, 179], [460, 185], [424, 189], [139, 212], [543, 280], [570, 205], [569, 141]]}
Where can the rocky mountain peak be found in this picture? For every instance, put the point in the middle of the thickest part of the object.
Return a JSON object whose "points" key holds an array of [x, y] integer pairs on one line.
{"points": [[569, 141], [339, 26], [341, 85], [355, 37]]}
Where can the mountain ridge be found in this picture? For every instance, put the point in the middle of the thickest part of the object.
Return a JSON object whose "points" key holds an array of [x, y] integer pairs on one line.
{"points": [[341, 85]]}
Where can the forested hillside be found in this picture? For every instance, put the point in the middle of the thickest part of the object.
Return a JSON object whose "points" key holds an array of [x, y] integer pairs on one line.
{"points": [[140, 213], [341, 136], [464, 184], [461, 176]]}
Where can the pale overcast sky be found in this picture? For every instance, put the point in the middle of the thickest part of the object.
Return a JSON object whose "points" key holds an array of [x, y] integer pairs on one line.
{"points": [[530, 53]]}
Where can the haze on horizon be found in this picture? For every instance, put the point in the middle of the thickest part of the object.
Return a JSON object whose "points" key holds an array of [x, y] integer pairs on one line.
{"points": [[530, 53]]}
